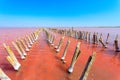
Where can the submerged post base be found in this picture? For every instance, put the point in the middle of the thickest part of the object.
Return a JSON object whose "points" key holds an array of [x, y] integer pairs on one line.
{"points": [[57, 50], [23, 57], [27, 50], [17, 66], [70, 70]]}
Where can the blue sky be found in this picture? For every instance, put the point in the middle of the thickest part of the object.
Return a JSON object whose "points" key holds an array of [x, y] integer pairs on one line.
{"points": [[63, 13]]}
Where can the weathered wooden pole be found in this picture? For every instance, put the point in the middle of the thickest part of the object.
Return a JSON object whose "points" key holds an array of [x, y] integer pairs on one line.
{"points": [[60, 44], [65, 51], [101, 41], [107, 38], [3, 76], [88, 66], [74, 59], [116, 44]]}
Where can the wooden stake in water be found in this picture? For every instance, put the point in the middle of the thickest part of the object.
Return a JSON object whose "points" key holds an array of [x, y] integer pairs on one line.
{"points": [[81, 34], [60, 44], [94, 41], [87, 34], [15, 65], [101, 41], [88, 66], [74, 59], [96, 38], [18, 49], [28, 37], [32, 36], [116, 44], [25, 46], [27, 42], [3, 76], [65, 51], [89, 37], [48, 36], [21, 48], [11, 58], [107, 38], [53, 40]]}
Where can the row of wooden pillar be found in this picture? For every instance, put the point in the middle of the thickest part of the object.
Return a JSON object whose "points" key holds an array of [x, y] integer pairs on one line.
{"points": [[89, 37], [50, 35], [22, 45]]}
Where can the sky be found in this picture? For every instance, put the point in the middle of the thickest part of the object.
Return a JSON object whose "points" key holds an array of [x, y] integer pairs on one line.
{"points": [[59, 13]]}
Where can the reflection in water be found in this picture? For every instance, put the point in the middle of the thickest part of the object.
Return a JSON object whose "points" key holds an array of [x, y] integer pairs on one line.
{"points": [[115, 59]]}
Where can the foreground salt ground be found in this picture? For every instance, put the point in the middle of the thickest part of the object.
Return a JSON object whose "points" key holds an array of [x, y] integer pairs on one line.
{"points": [[42, 62]]}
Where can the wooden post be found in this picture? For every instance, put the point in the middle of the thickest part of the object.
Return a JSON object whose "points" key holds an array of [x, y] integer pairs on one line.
{"points": [[89, 37], [3, 76], [32, 35], [101, 41], [88, 66], [74, 59], [11, 58], [21, 48], [28, 37], [26, 48], [116, 44], [18, 49], [65, 51], [27, 42], [94, 40], [48, 37], [60, 44], [53, 40], [81, 34], [15, 65], [107, 38]]}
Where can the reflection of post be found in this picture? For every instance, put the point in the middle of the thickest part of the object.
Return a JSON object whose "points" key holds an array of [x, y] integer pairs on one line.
{"points": [[3, 76], [88, 66], [107, 38], [116, 44], [74, 59], [65, 51], [60, 44], [101, 41]]}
